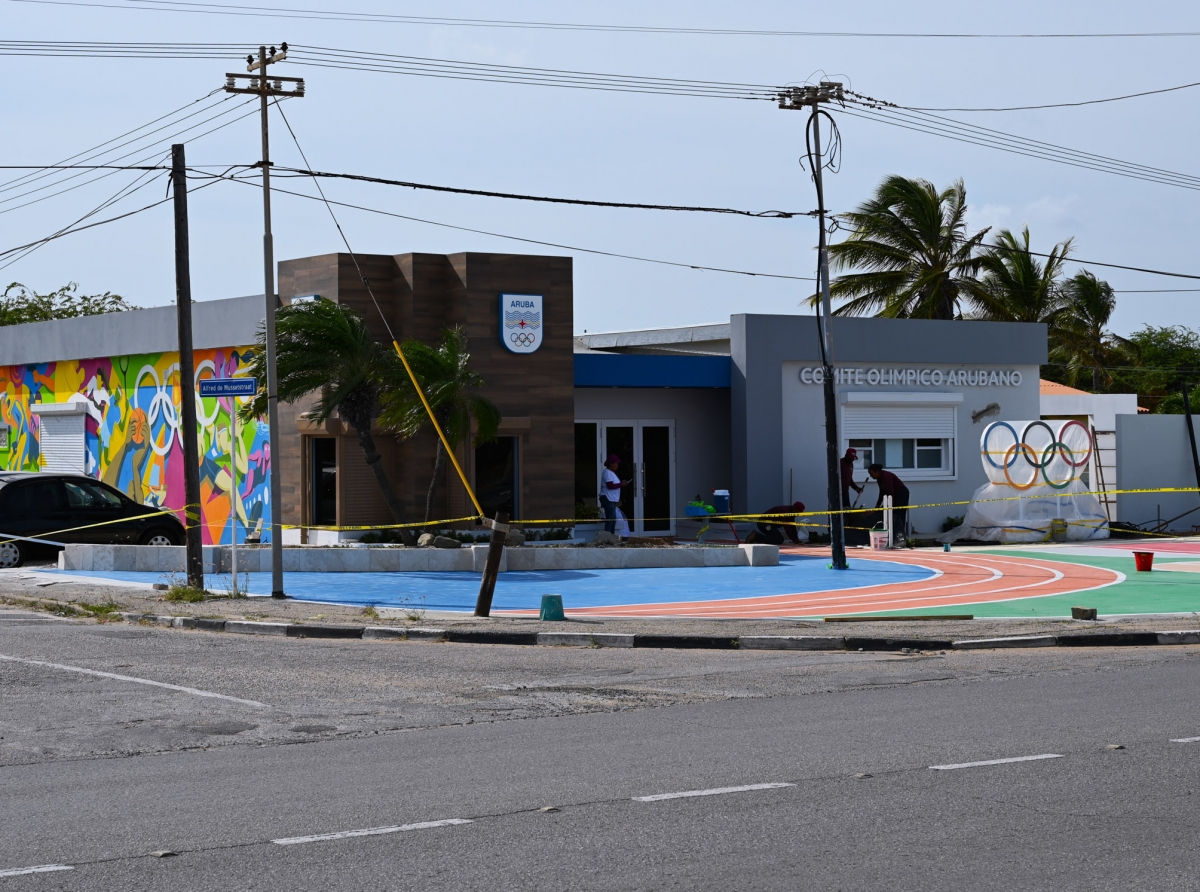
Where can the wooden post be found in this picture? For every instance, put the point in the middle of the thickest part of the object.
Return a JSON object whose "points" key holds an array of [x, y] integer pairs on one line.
{"points": [[187, 375], [483, 606]]}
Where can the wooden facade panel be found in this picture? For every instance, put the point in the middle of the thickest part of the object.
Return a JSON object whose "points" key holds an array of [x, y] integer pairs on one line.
{"points": [[422, 294]]}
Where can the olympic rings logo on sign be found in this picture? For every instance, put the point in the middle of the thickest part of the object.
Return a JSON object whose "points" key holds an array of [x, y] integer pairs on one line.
{"points": [[523, 338], [1039, 459]]}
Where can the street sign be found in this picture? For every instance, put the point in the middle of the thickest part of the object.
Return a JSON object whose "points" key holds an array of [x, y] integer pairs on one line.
{"points": [[229, 387]]}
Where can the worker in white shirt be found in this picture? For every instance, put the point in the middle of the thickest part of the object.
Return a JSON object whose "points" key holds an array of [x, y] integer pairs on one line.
{"points": [[610, 492]]}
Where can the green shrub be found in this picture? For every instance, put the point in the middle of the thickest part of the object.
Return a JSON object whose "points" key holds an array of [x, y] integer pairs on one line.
{"points": [[182, 592]]}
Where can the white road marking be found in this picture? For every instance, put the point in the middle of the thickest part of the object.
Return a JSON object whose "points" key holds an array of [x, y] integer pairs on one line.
{"points": [[22, 871], [1186, 740], [115, 677], [373, 831], [995, 762], [716, 791]]}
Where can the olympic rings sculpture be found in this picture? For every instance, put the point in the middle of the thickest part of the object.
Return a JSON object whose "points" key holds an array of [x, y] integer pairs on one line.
{"points": [[523, 338], [1049, 452]]}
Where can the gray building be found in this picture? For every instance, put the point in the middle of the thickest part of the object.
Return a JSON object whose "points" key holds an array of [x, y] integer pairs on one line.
{"points": [[913, 395]]}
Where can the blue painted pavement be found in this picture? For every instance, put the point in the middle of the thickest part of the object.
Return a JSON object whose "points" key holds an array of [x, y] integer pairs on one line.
{"points": [[579, 588]]}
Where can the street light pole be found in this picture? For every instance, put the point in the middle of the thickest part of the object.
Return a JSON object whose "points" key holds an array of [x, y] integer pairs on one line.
{"points": [[802, 98], [265, 88]]}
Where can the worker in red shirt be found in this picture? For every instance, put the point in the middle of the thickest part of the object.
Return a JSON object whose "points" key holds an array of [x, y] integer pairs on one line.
{"points": [[771, 530], [891, 485], [848, 483]]}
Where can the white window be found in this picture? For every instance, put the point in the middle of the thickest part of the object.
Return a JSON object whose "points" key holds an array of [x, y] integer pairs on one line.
{"points": [[918, 440]]}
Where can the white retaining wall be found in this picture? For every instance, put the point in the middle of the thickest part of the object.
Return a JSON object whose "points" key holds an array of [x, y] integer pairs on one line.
{"points": [[170, 558]]}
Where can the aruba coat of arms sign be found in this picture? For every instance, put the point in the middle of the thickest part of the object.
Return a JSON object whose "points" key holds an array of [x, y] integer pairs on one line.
{"points": [[521, 322]]}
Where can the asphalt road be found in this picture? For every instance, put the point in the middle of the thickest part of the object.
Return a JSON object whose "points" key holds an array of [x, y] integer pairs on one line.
{"points": [[309, 739]]}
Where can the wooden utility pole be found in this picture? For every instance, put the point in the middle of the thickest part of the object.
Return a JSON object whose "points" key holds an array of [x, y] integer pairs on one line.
{"points": [[187, 375], [266, 87], [800, 98], [483, 605]]}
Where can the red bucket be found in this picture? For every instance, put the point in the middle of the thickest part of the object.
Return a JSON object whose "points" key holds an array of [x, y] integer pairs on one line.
{"points": [[1144, 560]]}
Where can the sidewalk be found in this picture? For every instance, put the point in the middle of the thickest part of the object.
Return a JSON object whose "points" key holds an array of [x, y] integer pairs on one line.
{"points": [[28, 588]]}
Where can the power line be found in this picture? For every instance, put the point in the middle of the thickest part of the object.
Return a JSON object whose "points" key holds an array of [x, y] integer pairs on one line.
{"points": [[446, 21], [122, 50], [71, 231], [96, 148], [330, 57], [1059, 104], [960, 131], [858, 105], [143, 149], [100, 151], [934, 125], [531, 241], [780, 215], [137, 183], [1136, 269]]}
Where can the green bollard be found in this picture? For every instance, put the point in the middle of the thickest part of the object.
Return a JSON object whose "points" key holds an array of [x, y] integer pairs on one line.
{"points": [[552, 609]]}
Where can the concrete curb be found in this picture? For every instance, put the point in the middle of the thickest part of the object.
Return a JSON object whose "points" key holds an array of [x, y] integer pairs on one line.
{"points": [[246, 627], [689, 642], [1023, 641]]}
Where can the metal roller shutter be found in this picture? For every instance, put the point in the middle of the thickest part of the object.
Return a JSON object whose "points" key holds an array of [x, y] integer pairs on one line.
{"points": [[898, 422], [61, 439]]}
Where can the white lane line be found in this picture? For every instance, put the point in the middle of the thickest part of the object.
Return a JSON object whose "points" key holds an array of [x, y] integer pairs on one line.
{"points": [[22, 871], [115, 677], [373, 831], [1186, 740], [995, 762], [716, 791]]}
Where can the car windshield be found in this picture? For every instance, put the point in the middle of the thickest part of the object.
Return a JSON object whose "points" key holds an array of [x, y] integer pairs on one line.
{"points": [[82, 494]]}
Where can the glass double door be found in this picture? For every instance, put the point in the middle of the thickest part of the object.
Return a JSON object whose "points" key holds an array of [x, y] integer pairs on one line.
{"points": [[647, 453]]}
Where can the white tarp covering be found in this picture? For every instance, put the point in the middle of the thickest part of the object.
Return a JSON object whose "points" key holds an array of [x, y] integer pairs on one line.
{"points": [[1034, 470]]}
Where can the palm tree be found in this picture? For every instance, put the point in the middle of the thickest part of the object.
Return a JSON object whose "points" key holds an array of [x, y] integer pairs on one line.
{"points": [[325, 348], [911, 242], [451, 388], [1016, 286], [1081, 341]]}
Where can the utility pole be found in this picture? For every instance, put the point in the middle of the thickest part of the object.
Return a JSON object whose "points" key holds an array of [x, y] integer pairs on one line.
{"points": [[187, 376], [265, 88], [798, 99]]}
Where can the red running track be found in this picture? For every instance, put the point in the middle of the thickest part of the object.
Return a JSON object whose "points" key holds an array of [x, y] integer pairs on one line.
{"points": [[962, 578]]}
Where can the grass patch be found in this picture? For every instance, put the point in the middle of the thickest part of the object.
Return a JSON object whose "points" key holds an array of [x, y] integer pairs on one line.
{"points": [[182, 593], [370, 612], [99, 610], [59, 609]]}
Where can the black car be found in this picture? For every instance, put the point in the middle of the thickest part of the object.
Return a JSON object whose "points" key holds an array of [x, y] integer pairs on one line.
{"points": [[65, 508]]}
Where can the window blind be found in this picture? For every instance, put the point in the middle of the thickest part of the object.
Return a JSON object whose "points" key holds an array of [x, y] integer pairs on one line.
{"points": [[863, 422], [61, 440]]}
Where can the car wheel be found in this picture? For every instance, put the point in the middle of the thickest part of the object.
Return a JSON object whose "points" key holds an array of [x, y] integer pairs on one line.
{"points": [[10, 555], [157, 537]]}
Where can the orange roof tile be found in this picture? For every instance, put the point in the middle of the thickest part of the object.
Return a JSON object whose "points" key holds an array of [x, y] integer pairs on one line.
{"points": [[1053, 388]]}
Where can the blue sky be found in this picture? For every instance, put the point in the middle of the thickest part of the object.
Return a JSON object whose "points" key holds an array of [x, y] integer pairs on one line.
{"points": [[617, 146]]}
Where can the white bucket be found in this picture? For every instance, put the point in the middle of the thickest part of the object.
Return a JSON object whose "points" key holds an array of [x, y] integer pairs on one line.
{"points": [[879, 540]]}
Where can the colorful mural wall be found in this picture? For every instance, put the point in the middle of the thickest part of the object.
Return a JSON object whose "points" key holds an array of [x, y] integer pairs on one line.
{"points": [[132, 433]]}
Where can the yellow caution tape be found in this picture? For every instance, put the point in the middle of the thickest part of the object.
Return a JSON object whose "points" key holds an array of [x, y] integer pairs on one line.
{"points": [[446, 443], [89, 526]]}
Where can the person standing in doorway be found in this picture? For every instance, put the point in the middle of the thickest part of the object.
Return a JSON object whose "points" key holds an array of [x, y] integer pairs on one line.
{"points": [[610, 492], [891, 485]]}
